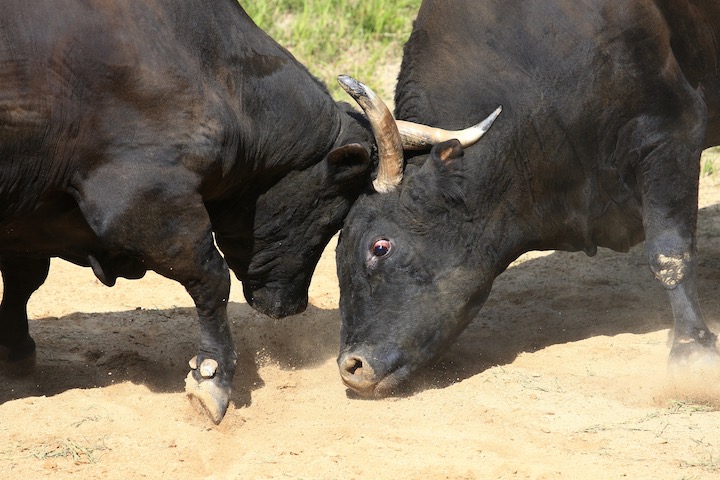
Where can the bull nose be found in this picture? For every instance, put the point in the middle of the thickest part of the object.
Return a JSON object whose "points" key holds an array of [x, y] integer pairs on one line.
{"points": [[357, 374], [275, 303]]}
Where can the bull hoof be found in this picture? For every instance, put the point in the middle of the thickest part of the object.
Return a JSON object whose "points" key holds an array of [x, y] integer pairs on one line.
{"points": [[208, 396], [694, 368], [691, 354]]}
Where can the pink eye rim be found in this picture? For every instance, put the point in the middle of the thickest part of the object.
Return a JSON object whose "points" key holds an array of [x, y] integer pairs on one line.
{"points": [[381, 247]]}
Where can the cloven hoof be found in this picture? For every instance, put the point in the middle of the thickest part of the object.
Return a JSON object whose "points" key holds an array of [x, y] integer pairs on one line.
{"points": [[207, 396]]}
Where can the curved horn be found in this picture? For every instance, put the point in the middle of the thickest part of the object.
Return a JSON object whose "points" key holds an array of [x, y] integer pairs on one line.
{"points": [[416, 136], [387, 136]]}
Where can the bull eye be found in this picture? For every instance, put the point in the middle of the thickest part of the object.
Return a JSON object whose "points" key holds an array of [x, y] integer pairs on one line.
{"points": [[381, 247]]}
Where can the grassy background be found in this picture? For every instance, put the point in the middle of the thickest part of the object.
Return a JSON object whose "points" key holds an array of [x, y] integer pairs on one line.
{"points": [[711, 162], [362, 38]]}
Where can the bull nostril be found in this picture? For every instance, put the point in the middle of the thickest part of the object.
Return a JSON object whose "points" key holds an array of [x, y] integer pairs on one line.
{"points": [[358, 374], [354, 366]]}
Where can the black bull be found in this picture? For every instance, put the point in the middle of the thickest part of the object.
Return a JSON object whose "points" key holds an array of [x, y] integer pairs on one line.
{"points": [[135, 135], [606, 108]]}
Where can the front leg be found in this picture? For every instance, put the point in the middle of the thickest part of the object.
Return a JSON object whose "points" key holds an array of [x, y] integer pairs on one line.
{"points": [[157, 216], [670, 216], [694, 346], [210, 379], [674, 263]]}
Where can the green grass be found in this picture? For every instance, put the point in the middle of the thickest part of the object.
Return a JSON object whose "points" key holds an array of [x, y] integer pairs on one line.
{"points": [[362, 38], [710, 161]]}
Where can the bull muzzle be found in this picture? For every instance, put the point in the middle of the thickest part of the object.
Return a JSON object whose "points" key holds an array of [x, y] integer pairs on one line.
{"points": [[276, 302], [373, 372], [357, 374]]}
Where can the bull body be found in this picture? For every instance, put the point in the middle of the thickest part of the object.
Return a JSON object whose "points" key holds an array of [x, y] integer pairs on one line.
{"points": [[606, 108], [131, 131]]}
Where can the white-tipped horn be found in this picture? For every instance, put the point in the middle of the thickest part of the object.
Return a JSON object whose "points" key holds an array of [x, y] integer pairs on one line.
{"points": [[416, 136], [387, 136]]}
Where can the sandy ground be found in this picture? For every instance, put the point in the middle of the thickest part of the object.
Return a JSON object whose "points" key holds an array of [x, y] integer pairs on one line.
{"points": [[561, 376]]}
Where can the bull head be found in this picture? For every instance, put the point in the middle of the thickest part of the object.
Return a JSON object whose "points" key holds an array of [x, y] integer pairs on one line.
{"points": [[394, 136]]}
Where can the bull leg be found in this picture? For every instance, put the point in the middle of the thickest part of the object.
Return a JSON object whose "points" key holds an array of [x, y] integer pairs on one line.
{"points": [[670, 217], [21, 277], [210, 379], [693, 350], [163, 221]]}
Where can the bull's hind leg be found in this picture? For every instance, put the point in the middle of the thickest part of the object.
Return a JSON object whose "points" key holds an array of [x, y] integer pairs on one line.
{"points": [[21, 277], [670, 192], [159, 218]]}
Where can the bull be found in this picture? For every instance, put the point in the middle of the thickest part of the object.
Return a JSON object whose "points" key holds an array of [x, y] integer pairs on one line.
{"points": [[137, 136], [606, 108]]}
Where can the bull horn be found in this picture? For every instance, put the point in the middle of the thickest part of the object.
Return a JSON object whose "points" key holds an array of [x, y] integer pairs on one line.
{"points": [[418, 137], [387, 135]]}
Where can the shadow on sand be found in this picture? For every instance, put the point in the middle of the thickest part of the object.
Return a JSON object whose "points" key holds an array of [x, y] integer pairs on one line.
{"points": [[152, 347]]}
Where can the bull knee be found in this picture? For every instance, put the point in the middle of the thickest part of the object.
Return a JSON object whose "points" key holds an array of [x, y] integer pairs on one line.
{"points": [[671, 269]]}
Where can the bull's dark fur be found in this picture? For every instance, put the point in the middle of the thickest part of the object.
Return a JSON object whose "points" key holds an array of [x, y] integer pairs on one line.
{"points": [[131, 131], [606, 108]]}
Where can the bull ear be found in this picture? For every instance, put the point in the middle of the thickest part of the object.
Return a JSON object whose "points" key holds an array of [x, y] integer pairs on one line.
{"points": [[348, 163], [448, 151], [447, 171]]}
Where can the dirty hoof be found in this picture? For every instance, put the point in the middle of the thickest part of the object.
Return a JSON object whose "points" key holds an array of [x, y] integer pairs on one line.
{"points": [[699, 366], [690, 355], [17, 364], [207, 396], [694, 371]]}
